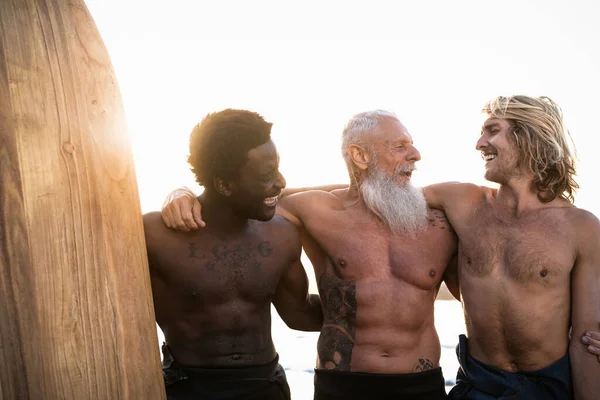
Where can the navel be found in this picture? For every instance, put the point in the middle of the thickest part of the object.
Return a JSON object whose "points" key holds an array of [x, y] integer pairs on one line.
{"points": [[469, 260], [544, 273], [342, 263], [236, 357]]}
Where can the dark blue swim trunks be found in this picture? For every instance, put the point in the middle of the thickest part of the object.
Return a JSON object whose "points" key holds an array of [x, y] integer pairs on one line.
{"points": [[478, 381]]}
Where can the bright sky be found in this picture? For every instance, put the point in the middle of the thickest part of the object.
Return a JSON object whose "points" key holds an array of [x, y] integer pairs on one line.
{"points": [[308, 66]]}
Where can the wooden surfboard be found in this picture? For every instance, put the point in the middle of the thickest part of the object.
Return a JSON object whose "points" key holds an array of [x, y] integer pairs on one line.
{"points": [[76, 313]]}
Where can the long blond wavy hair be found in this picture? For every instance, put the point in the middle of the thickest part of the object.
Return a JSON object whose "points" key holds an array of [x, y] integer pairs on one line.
{"points": [[544, 144]]}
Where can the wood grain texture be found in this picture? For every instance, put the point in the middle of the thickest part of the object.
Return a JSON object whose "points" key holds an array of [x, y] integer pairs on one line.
{"points": [[76, 314]]}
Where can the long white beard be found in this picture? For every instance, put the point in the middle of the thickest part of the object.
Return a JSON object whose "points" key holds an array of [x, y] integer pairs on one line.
{"points": [[402, 208]]}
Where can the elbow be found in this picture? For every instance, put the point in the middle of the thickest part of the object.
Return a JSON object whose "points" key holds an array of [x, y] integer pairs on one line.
{"points": [[307, 322], [576, 348], [304, 324]]}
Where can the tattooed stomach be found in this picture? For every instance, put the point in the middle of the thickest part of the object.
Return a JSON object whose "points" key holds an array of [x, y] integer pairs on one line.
{"points": [[392, 353], [384, 339]]}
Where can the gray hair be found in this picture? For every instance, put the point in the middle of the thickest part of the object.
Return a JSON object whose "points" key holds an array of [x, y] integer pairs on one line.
{"points": [[356, 130]]}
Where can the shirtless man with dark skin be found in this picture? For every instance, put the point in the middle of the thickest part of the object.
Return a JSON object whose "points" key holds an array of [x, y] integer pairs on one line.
{"points": [[528, 261], [378, 275], [213, 288]]}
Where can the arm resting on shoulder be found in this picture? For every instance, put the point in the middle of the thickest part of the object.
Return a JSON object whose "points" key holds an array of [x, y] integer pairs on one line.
{"points": [[325, 188], [439, 195], [181, 210]]}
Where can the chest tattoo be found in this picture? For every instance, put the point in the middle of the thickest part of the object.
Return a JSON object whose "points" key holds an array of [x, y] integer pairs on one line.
{"points": [[232, 256]]}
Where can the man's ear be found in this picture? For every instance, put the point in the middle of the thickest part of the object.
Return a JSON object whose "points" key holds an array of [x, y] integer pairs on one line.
{"points": [[359, 156], [222, 186]]}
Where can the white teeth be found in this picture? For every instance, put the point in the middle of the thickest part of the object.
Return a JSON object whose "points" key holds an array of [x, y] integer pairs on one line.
{"points": [[270, 201], [488, 157]]}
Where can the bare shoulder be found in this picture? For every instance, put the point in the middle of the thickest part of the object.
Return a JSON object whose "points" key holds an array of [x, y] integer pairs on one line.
{"points": [[154, 224], [280, 227], [583, 221], [156, 232], [282, 233]]}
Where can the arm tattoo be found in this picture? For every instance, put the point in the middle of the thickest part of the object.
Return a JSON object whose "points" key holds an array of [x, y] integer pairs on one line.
{"points": [[424, 364], [439, 218], [336, 340]]}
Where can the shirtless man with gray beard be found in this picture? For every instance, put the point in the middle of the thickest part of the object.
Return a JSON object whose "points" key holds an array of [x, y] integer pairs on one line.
{"points": [[379, 256]]}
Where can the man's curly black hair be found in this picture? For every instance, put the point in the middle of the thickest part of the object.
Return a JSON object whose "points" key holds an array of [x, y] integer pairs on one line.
{"points": [[219, 144]]}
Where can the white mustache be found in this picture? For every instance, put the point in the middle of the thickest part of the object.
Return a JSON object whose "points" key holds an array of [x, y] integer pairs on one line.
{"points": [[410, 167]]}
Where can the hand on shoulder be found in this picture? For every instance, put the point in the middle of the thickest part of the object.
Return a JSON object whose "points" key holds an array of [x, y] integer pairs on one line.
{"points": [[182, 211]]}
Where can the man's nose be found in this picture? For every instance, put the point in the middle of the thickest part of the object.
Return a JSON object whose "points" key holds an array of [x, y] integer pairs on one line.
{"points": [[280, 182], [481, 143], [414, 155]]}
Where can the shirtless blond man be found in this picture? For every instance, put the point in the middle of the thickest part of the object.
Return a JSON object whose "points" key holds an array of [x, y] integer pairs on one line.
{"points": [[379, 255], [528, 261]]}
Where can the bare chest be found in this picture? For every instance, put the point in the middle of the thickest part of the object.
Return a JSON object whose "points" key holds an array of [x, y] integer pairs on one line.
{"points": [[530, 250], [210, 269], [353, 249]]}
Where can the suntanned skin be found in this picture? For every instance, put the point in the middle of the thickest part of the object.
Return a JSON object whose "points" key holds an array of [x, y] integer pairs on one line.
{"points": [[527, 270], [519, 260], [213, 287], [592, 341], [377, 289]]}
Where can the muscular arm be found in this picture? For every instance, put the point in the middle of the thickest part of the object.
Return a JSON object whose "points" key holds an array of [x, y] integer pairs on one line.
{"points": [[326, 188], [297, 308], [153, 236], [448, 195], [585, 309], [182, 210]]}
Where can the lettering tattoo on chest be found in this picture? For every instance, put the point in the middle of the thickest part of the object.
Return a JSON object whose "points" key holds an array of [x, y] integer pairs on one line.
{"points": [[232, 256], [336, 341], [423, 365]]}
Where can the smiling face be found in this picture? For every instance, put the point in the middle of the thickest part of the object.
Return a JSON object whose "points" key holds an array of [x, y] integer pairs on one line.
{"points": [[254, 193], [393, 150], [498, 151]]}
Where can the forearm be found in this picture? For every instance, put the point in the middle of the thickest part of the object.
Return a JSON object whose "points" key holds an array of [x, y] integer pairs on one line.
{"points": [[308, 317], [585, 371], [184, 190]]}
